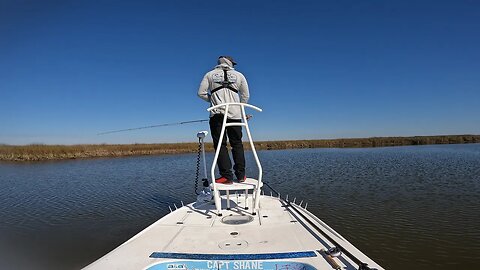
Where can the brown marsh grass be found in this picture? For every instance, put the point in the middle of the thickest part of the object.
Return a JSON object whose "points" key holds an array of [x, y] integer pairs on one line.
{"points": [[37, 152]]}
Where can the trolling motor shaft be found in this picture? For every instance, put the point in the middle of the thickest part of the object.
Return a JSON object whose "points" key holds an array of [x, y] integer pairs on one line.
{"points": [[206, 194], [201, 136]]}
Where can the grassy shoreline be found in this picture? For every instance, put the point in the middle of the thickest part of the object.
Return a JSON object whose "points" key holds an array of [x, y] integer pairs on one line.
{"points": [[40, 152]]}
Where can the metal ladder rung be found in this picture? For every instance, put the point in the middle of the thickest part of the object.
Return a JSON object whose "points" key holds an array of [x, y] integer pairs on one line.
{"points": [[235, 124]]}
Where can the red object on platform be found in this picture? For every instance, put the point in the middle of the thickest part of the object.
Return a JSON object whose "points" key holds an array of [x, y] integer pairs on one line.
{"points": [[223, 180]]}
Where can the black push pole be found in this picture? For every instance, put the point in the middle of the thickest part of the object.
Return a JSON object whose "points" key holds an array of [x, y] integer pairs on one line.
{"points": [[361, 265]]}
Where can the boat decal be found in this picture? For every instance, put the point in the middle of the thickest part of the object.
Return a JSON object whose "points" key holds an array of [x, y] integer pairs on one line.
{"points": [[261, 256], [231, 265]]}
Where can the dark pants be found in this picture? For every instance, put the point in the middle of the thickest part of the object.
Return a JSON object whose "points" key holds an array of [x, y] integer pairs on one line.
{"points": [[235, 138]]}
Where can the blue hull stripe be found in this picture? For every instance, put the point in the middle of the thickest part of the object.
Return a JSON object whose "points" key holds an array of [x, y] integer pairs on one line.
{"points": [[226, 257]]}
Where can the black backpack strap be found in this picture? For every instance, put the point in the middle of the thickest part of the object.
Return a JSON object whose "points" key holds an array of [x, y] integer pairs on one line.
{"points": [[225, 84]]}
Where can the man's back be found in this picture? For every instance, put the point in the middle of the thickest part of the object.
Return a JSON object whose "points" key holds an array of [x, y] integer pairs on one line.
{"points": [[232, 89]]}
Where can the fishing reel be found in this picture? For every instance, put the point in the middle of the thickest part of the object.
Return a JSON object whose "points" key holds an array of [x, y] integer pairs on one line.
{"points": [[337, 252], [334, 251]]}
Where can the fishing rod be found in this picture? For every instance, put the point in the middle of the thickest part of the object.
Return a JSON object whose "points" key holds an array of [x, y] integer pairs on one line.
{"points": [[337, 249], [154, 126]]}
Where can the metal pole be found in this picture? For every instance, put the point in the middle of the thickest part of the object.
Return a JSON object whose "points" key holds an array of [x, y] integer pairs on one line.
{"points": [[204, 161], [360, 263]]}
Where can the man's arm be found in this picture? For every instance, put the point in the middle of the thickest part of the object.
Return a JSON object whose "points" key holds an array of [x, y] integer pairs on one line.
{"points": [[243, 91], [203, 89]]}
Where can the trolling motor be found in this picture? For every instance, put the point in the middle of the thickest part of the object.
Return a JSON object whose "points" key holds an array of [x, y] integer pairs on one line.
{"points": [[206, 194]]}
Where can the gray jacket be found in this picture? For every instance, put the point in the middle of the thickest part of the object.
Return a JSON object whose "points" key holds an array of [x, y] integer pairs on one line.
{"points": [[213, 79]]}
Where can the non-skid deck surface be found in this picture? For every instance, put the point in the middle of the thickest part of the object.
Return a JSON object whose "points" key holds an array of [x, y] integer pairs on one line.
{"points": [[196, 229]]}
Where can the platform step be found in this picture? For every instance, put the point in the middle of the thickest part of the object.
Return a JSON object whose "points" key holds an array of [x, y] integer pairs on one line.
{"points": [[249, 183]]}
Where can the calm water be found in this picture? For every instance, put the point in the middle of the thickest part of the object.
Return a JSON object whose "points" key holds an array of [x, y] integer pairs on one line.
{"points": [[406, 207]]}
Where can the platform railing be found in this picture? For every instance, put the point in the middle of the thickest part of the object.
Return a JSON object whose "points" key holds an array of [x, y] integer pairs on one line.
{"points": [[244, 123]]}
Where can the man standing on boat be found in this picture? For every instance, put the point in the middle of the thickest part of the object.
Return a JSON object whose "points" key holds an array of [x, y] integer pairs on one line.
{"points": [[224, 85]]}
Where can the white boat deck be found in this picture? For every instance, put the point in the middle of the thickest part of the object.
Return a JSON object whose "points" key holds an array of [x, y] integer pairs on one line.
{"points": [[194, 233]]}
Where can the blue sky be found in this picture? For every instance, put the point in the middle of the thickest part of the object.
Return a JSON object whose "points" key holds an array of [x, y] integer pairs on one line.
{"points": [[319, 69]]}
